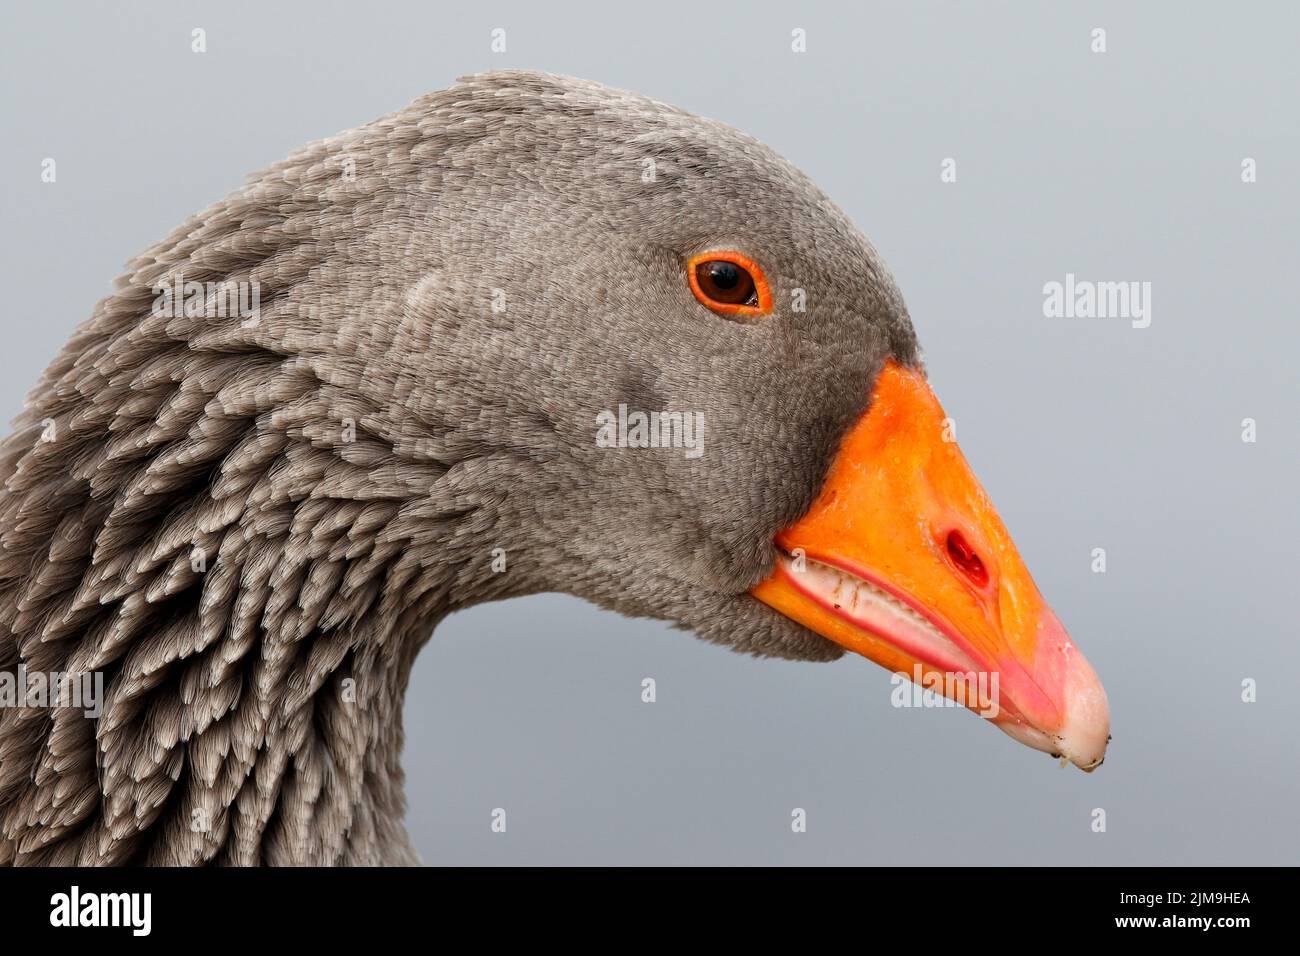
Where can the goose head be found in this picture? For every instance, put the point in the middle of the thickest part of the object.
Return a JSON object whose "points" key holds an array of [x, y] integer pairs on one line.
{"points": [[527, 334], [654, 269]]}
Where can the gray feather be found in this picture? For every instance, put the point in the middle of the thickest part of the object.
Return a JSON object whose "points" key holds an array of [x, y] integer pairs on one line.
{"points": [[251, 530]]}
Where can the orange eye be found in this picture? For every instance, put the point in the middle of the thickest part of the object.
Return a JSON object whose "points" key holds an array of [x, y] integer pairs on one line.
{"points": [[729, 284]]}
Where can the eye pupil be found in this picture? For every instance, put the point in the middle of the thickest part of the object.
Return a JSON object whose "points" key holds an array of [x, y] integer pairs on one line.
{"points": [[725, 275], [726, 283]]}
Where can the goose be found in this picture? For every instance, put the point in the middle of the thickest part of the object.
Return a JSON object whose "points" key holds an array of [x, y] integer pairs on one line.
{"points": [[244, 523]]}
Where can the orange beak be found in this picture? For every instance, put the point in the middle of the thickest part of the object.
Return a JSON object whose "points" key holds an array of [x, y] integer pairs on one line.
{"points": [[903, 560]]}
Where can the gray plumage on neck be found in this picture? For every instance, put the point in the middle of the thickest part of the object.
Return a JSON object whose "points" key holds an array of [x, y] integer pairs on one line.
{"points": [[250, 528]]}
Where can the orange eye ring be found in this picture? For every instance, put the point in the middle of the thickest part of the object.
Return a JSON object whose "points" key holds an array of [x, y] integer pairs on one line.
{"points": [[707, 290]]}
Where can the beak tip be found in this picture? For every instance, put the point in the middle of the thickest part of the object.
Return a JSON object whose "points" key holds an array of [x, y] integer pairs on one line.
{"points": [[1080, 728], [1085, 731]]}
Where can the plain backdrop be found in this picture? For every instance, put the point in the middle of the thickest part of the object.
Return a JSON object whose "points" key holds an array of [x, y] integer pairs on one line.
{"points": [[1123, 165]]}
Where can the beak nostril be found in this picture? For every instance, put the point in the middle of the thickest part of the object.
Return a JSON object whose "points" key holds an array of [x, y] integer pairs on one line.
{"points": [[966, 560]]}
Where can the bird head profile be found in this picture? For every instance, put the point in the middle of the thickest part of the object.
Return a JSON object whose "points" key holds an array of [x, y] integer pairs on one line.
{"points": [[526, 334]]}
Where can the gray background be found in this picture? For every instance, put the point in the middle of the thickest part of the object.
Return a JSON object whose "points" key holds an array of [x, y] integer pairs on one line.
{"points": [[1087, 433]]}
